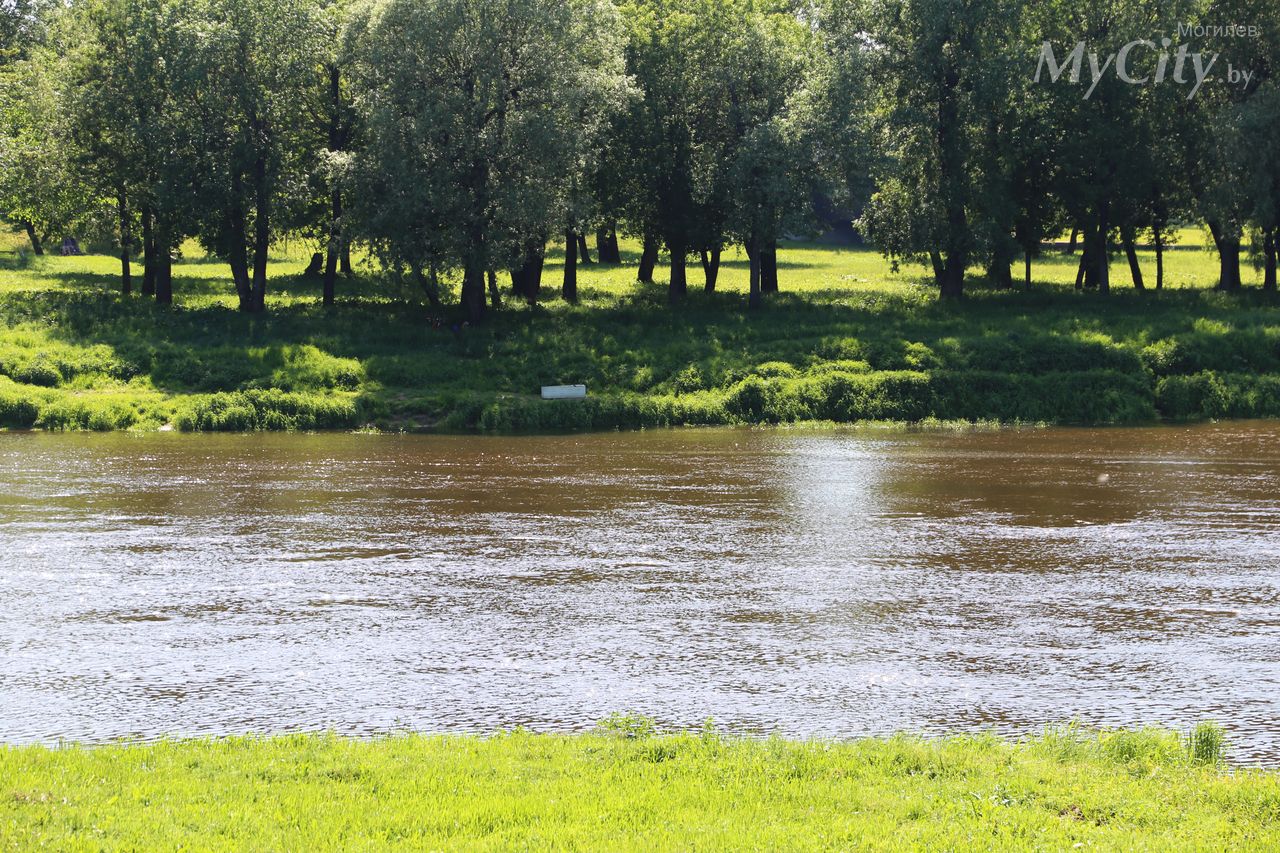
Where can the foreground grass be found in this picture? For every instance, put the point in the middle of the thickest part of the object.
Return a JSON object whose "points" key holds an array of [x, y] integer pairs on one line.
{"points": [[628, 789], [848, 339]]}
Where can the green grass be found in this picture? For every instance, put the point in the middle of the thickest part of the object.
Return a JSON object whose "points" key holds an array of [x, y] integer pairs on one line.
{"points": [[626, 788], [848, 339]]}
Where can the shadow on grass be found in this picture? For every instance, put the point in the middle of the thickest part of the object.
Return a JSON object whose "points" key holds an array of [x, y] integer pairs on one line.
{"points": [[630, 341]]}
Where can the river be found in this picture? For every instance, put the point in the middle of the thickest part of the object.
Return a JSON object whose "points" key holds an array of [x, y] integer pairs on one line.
{"points": [[806, 583]]}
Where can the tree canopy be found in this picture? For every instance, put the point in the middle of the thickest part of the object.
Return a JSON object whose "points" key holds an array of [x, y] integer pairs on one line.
{"points": [[457, 138]]}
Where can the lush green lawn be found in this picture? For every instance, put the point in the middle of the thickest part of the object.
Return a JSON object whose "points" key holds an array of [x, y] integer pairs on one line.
{"points": [[847, 339], [621, 789]]}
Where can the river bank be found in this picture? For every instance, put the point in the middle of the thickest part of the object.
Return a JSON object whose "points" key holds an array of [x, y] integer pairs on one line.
{"points": [[624, 787], [849, 339]]}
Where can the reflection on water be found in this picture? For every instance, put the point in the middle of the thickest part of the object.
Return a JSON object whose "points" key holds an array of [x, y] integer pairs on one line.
{"points": [[833, 584]]}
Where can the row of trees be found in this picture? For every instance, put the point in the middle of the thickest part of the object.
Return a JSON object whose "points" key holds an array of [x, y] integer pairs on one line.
{"points": [[460, 137]]}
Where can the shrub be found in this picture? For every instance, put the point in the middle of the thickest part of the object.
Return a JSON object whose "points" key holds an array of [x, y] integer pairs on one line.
{"points": [[17, 409], [307, 368], [246, 411], [690, 378], [886, 395], [1213, 395], [775, 369], [1200, 396], [39, 371]]}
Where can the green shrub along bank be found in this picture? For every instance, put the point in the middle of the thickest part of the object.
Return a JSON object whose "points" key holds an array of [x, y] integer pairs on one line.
{"points": [[626, 787], [851, 340]]}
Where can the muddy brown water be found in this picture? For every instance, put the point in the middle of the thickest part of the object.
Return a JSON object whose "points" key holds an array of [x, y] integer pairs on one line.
{"points": [[829, 584]]}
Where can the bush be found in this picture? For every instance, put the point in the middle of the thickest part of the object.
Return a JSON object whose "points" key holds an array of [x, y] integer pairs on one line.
{"points": [[17, 409], [1212, 395], [1095, 396], [887, 395], [39, 372], [1200, 396], [248, 411], [307, 368], [71, 413]]}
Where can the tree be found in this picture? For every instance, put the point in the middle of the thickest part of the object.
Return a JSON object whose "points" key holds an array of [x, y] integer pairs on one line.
{"points": [[40, 188], [471, 109], [1260, 131], [680, 53], [138, 122], [938, 72], [775, 109], [1218, 156], [330, 133], [252, 67]]}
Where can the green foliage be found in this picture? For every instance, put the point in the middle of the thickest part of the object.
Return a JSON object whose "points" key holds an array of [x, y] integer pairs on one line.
{"points": [[1206, 744], [273, 409], [855, 342], [479, 116]]}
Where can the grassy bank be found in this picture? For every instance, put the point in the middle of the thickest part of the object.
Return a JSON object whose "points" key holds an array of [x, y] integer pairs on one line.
{"points": [[848, 339], [623, 788]]}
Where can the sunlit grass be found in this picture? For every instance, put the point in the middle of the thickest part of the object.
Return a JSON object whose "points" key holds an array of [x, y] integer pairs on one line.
{"points": [[849, 338], [627, 789]]}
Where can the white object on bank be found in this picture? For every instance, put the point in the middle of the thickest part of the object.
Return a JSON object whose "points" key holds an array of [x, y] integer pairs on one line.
{"points": [[564, 392]]}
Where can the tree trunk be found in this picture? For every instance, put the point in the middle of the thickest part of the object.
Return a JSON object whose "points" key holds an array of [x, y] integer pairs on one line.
{"points": [[526, 279], [1228, 256], [648, 260], [999, 273], [336, 144], [429, 284], [148, 253], [584, 253], [495, 298], [36, 246], [754, 298], [1102, 255], [569, 290], [1026, 257], [1131, 252], [334, 249], [769, 267], [239, 257], [1158, 236], [711, 268], [1082, 269], [939, 268], [607, 245], [1269, 250], [473, 292], [953, 277], [346, 258], [126, 244], [678, 285], [1089, 255], [1071, 245], [261, 235], [164, 265]]}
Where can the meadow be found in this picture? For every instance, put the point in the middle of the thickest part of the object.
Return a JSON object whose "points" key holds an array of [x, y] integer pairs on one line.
{"points": [[626, 787], [849, 338]]}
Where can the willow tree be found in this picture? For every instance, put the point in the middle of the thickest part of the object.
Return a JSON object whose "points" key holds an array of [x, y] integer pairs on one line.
{"points": [[127, 128], [680, 54], [938, 67], [1260, 129], [774, 109], [471, 111], [40, 188], [250, 68], [1229, 119]]}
